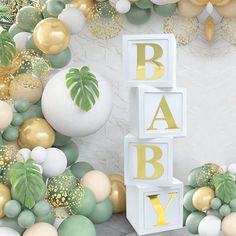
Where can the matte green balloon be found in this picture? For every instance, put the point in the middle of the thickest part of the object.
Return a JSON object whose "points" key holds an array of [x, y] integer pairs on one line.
{"points": [[45, 12], [232, 204], [34, 111], [31, 45], [42, 208], [76, 225], [60, 59], [12, 209], [49, 218], [102, 212], [14, 30], [66, 1], [26, 219], [79, 169], [216, 203], [144, 4], [165, 10], [224, 210], [71, 151], [1, 140], [137, 15], [188, 204], [187, 188], [186, 213], [22, 105], [61, 140], [193, 221], [55, 7], [192, 177], [18, 119], [28, 17], [214, 213], [11, 223], [10, 134]]}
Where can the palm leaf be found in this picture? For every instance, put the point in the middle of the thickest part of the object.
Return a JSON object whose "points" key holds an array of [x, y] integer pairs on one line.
{"points": [[83, 87], [27, 182], [7, 48]]}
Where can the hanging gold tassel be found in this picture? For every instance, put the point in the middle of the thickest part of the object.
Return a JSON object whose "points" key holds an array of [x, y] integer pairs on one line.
{"points": [[209, 28]]}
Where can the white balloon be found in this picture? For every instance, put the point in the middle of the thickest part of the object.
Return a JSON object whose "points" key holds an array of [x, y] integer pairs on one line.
{"points": [[164, 2], [23, 155], [73, 18], [5, 231], [20, 40], [232, 168], [123, 6], [6, 115], [209, 226], [67, 118], [39, 155], [55, 163]]}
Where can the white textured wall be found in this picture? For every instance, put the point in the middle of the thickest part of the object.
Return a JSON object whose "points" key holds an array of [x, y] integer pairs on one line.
{"points": [[208, 71]]}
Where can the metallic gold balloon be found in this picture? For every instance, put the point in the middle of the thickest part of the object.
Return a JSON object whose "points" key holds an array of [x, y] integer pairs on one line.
{"points": [[36, 132], [118, 193], [51, 36], [5, 196], [4, 87], [84, 5], [209, 28], [202, 198], [228, 10]]}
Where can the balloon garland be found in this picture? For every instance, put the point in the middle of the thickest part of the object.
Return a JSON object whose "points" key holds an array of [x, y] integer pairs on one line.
{"points": [[210, 200]]}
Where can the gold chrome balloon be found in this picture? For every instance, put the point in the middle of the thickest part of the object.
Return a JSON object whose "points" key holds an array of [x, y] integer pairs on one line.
{"points": [[5, 196], [36, 132], [118, 193], [202, 198], [83, 5], [51, 36], [228, 10], [209, 28]]}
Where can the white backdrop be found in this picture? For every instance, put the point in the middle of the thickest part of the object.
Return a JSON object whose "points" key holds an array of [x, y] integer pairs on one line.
{"points": [[208, 71]]}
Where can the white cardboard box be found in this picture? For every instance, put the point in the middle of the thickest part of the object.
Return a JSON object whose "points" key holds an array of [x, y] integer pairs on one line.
{"points": [[148, 161], [143, 202], [149, 60]]}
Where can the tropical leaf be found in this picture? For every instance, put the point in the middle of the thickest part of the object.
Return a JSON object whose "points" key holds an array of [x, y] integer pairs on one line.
{"points": [[27, 182], [83, 87], [225, 186], [7, 48]]}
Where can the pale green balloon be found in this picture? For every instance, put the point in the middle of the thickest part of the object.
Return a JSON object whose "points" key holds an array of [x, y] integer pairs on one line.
{"points": [[193, 221], [144, 4], [11, 223], [214, 213], [79, 169], [14, 30], [232, 205], [188, 204], [42, 208], [18, 119], [224, 210], [31, 45], [49, 218], [187, 188], [55, 7], [22, 105], [192, 177], [34, 111], [165, 10], [10, 134], [216, 203], [186, 213], [61, 140], [26, 219], [12, 208]]}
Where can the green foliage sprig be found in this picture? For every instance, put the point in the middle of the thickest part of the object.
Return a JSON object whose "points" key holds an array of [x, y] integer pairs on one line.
{"points": [[83, 87]]}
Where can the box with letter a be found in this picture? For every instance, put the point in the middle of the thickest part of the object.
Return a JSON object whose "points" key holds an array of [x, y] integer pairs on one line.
{"points": [[152, 209], [148, 161], [149, 60]]}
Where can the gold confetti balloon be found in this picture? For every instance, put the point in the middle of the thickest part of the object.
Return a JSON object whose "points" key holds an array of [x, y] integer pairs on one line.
{"points": [[36, 132], [4, 87], [5, 196], [51, 36], [84, 6]]}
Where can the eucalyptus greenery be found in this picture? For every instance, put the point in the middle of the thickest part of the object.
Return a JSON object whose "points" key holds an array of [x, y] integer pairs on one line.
{"points": [[225, 186], [7, 48], [27, 182], [83, 87]]}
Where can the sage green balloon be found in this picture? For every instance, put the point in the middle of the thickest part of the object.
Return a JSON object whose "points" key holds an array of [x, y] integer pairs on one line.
{"points": [[34, 111], [28, 17], [232, 205], [55, 7], [187, 188], [11, 223], [31, 45], [12, 208], [26, 219], [188, 204], [192, 180], [137, 15], [49, 218], [216, 203], [45, 12], [224, 210], [17, 119], [102, 212], [60, 59], [10, 134], [61, 140], [165, 10], [79, 169], [186, 213], [1, 140], [87, 205], [71, 151], [144, 4], [76, 225], [22, 105], [14, 30], [193, 221], [66, 1], [42, 208], [214, 213]]}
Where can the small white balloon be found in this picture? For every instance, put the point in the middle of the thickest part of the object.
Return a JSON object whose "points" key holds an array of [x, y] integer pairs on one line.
{"points": [[20, 40], [55, 163], [73, 18], [39, 155], [209, 226], [232, 168], [123, 6], [5, 231], [23, 155], [223, 167]]}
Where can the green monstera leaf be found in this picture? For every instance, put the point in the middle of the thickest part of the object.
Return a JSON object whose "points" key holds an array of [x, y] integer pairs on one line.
{"points": [[225, 186], [27, 183], [83, 87]]}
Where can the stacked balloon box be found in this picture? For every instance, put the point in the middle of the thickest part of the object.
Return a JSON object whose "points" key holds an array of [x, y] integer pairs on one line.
{"points": [[157, 115]]}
